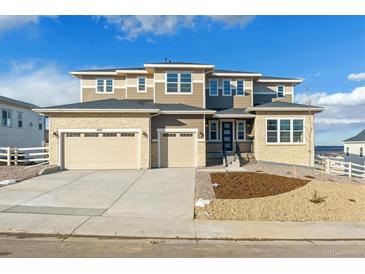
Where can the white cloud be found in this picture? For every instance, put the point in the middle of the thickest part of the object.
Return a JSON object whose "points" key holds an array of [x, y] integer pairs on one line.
{"points": [[357, 77], [9, 22], [41, 85], [343, 111], [132, 27]]}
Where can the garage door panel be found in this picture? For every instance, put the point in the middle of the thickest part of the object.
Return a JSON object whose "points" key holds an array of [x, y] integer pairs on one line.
{"points": [[177, 149], [101, 151]]}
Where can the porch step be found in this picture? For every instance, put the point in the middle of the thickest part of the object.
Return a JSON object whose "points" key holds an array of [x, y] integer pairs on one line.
{"points": [[233, 161], [249, 158]]}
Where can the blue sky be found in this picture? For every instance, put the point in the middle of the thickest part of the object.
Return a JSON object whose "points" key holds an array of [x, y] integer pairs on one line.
{"points": [[324, 50]]}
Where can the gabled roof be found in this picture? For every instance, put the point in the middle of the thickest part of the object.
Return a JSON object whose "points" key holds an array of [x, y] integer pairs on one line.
{"points": [[357, 138], [125, 106], [17, 102], [285, 106]]}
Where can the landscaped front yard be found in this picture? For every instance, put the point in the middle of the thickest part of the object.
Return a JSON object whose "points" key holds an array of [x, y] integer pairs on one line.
{"points": [[19, 173], [253, 196]]}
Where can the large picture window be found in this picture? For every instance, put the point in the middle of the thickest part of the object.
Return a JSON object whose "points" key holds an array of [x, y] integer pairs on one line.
{"points": [[285, 131], [178, 82]]}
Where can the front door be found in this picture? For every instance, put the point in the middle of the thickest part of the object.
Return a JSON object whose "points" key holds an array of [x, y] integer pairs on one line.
{"points": [[227, 141]]}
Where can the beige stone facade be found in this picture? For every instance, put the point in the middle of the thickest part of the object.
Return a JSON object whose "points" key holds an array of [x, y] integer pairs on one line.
{"points": [[299, 154], [98, 121]]}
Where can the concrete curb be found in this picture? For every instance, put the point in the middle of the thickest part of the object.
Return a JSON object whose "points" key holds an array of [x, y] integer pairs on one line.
{"points": [[48, 170]]}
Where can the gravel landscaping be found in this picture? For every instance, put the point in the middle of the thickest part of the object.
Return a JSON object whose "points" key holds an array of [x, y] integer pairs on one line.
{"points": [[19, 173], [333, 201]]}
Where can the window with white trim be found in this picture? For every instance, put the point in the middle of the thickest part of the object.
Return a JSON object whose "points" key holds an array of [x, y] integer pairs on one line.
{"points": [[361, 152], [213, 130], [104, 85], [227, 88], [240, 91], [241, 130], [178, 82], [141, 84], [285, 131], [213, 87], [6, 120], [280, 91], [20, 119]]}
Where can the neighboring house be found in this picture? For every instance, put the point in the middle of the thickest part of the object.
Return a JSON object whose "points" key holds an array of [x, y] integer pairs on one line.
{"points": [[354, 149], [177, 114], [20, 126]]}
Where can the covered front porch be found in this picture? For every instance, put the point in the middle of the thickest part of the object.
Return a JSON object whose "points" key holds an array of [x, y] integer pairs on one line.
{"points": [[229, 134]]}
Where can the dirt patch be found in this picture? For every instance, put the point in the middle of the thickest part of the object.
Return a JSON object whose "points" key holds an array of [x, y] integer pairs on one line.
{"points": [[246, 185], [19, 173]]}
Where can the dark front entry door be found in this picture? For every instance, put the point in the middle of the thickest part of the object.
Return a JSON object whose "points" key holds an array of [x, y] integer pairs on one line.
{"points": [[227, 141]]}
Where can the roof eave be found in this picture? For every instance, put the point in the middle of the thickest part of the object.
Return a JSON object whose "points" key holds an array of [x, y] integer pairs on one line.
{"points": [[285, 109], [280, 81], [81, 73], [235, 115], [65, 110], [187, 111], [236, 74], [168, 65], [129, 71]]}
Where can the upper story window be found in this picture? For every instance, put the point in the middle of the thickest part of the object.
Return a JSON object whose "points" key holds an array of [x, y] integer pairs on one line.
{"points": [[285, 131], [280, 91], [6, 118], [213, 130], [178, 82], [213, 87], [240, 130], [104, 85], [347, 151], [40, 122], [227, 88], [20, 119], [361, 152], [240, 88], [142, 84]]}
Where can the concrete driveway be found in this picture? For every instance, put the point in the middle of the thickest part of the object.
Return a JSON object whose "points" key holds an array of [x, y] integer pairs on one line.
{"points": [[152, 194]]}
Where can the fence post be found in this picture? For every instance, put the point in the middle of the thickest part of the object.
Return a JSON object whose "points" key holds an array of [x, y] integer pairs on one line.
{"points": [[15, 156], [350, 167], [328, 165], [8, 156]]}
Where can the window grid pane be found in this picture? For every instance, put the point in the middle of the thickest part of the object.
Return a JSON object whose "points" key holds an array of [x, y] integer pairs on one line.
{"points": [[226, 87], [240, 87], [213, 85]]}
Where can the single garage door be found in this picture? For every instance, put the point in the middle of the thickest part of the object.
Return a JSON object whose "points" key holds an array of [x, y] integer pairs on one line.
{"points": [[178, 149], [109, 150]]}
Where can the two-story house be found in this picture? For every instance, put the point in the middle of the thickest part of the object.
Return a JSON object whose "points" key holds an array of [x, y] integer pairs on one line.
{"points": [[178, 114]]}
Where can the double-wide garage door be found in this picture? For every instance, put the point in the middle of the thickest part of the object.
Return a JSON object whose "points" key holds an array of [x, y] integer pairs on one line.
{"points": [[107, 150], [178, 149]]}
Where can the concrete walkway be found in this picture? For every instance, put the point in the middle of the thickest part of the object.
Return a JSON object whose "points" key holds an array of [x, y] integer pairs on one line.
{"points": [[124, 227]]}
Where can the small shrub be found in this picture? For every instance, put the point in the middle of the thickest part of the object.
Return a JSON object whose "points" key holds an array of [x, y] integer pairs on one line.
{"points": [[352, 200], [317, 199]]}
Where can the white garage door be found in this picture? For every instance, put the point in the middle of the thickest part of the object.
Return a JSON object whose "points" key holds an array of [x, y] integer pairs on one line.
{"points": [[178, 149], [108, 150]]}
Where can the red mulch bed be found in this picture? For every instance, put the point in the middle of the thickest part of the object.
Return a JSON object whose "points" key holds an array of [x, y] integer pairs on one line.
{"points": [[245, 185]]}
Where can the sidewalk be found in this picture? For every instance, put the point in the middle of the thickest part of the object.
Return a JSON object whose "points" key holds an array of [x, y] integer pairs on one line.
{"points": [[122, 227]]}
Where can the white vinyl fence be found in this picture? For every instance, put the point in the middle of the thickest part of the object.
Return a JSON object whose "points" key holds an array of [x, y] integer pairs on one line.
{"points": [[332, 166], [28, 155]]}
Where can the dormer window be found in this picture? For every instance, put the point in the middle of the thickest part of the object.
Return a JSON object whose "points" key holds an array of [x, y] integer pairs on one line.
{"points": [[104, 85], [280, 91]]}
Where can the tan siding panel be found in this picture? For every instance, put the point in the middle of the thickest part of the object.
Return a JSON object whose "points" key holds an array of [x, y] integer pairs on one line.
{"points": [[177, 121], [89, 94]]}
